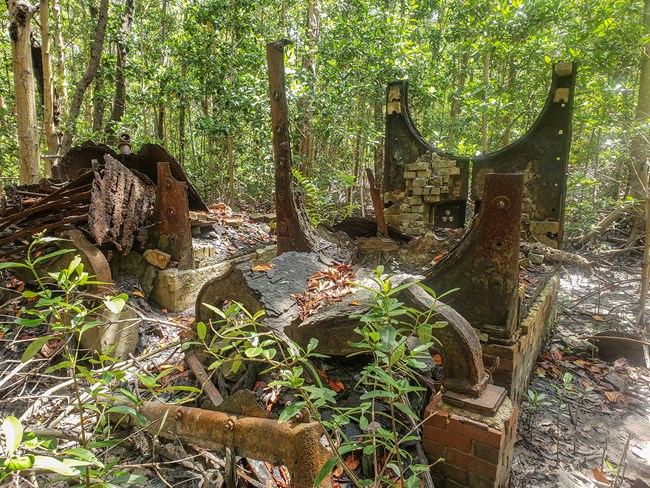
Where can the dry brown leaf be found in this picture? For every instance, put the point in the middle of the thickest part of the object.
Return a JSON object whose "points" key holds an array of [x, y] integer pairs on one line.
{"points": [[164, 310], [599, 475], [138, 293], [336, 385], [262, 267], [437, 358], [191, 320], [598, 318], [612, 396], [352, 461]]}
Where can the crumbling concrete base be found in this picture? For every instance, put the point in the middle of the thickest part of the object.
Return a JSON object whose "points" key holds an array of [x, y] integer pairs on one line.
{"points": [[477, 449]]}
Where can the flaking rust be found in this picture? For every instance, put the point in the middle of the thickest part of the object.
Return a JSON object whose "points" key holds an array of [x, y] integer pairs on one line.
{"points": [[296, 445]]}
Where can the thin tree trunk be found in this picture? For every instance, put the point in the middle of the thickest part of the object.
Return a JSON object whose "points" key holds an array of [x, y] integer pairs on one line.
{"points": [[49, 129], [306, 146], [89, 75], [20, 15], [61, 88], [458, 87], [181, 121], [98, 100], [119, 102], [486, 95], [640, 152], [231, 169]]}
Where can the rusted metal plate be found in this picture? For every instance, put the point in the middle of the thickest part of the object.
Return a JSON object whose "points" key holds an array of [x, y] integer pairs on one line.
{"points": [[95, 263], [144, 162], [462, 354], [294, 445], [484, 266], [541, 153], [121, 206], [487, 404], [172, 217]]}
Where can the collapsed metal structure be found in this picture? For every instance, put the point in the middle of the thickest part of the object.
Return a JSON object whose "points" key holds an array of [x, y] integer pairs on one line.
{"points": [[433, 186]]}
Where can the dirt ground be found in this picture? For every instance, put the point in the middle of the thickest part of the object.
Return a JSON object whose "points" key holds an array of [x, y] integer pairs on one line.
{"points": [[593, 430]]}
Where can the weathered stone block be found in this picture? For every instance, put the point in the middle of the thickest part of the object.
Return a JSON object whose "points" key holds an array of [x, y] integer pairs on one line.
{"points": [[419, 182], [413, 201], [433, 190], [409, 175], [417, 208], [431, 198], [411, 216], [158, 258], [417, 166], [418, 191], [423, 174], [448, 171]]}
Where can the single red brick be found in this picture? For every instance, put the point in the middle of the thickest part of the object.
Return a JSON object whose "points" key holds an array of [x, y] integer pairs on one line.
{"points": [[438, 420], [449, 483], [469, 427], [472, 464], [449, 439], [433, 450], [477, 481], [453, 472], [506, 352], [489, 453], [506, 365], [491, 437]]}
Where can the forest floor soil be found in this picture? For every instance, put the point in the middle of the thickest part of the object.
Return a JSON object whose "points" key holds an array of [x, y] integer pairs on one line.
{"points": [[586, 421]]}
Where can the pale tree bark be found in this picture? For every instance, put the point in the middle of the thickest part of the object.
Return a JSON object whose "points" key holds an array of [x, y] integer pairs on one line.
{"points": [[20, 16], [89, 75], [49, 128], [458, 87], [306, 144], [61, 88], [640, 152], [160, 112], [119, 102]]}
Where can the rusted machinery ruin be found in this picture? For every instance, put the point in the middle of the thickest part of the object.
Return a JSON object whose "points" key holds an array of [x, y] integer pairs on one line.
{"points": [[144, 199]]}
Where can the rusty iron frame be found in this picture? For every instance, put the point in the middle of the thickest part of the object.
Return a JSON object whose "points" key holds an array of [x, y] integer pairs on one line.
{"points": [[484, 266], [541, 154], [296, 445]]}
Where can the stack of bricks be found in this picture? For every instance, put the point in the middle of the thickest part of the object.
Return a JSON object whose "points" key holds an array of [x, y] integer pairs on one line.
{"points": [[477, 450], [429, 180]]}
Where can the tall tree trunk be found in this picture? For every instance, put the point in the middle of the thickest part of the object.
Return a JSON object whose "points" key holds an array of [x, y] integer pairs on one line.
{"points": [[458, 88], [20, 16], [160, 116], [640, 152], [89, 75], [61, 88], [49, 129], [231, 168], [181, 120], [98, 100], [486, 96], [119, 102], [306, 146]]}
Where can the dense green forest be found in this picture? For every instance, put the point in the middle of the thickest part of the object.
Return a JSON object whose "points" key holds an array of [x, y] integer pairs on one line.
{"points": [[191, 75]]}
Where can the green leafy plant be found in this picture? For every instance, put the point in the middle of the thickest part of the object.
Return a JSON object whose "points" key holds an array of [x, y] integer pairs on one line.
{"points": [[384, 414], [320, 203], [60, 303]]}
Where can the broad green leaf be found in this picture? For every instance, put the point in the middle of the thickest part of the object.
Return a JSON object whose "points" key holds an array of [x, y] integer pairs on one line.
{"points": [[54, 465], [325, 471], [51, 255], [34, 347], [201, 330], [17, 463], [291, 410], [84, 455], [13, 432]]}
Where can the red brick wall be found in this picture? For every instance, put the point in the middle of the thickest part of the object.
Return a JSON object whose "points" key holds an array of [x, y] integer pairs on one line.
{"points": [[476, 455]]}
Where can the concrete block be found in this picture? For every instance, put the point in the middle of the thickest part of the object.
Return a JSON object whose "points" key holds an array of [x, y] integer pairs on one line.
{"points": [[417, 166]]}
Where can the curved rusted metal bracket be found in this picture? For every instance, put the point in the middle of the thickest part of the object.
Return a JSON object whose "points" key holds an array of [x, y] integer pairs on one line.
{"points": [[484, 265], [541, 154], [462, 356]]}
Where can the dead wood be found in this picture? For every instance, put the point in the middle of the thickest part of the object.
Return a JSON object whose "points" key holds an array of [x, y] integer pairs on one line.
{"points": [[605, 223], [557, 255], [377, 204]]}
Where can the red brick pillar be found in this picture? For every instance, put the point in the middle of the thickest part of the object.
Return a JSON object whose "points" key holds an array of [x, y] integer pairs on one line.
{"points": [[477, 449]]}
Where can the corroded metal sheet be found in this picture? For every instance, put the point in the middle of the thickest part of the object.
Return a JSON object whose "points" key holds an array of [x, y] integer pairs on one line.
{"points": [[541, 155], [484, 266]]}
